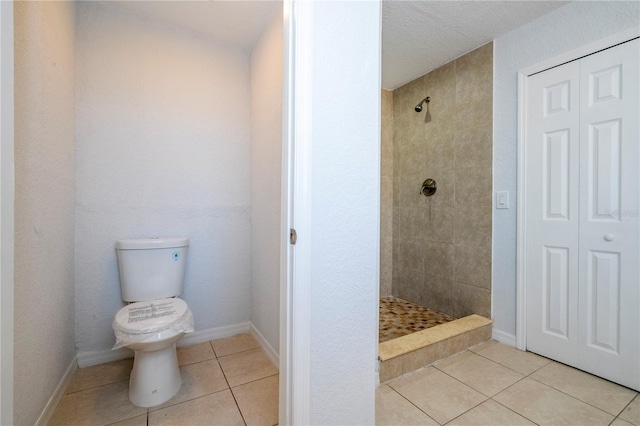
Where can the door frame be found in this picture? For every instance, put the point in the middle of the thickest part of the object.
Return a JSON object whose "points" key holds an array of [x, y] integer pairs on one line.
{"points": [[7, 195], [522, 184]]}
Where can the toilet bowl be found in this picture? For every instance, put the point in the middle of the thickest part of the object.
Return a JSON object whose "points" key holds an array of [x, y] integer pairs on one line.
{"points": [[151, 329], [151, 279]]}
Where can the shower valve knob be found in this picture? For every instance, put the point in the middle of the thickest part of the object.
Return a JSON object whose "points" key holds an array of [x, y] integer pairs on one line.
{"points": [[428, 187]]}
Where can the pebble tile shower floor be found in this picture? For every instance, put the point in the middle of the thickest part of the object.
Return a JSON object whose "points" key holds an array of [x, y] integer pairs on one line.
{"points": [[399, 317]]}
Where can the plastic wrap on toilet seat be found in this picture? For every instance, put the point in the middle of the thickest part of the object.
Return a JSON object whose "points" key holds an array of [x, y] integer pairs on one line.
{"points": [[142, 322]]}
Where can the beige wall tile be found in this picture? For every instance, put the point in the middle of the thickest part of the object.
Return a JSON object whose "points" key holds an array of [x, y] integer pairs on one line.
{"points": [[409, 191], [545, 405], [386, 267], [469, 300], [387, 104], [413, 222], [475, 68], [473, 226], [474, 147], [473, 186], [445, 192], [439, 154], [472, 265], [411, 256], [405, 99], [453, 139], [409, 285], [441, 225], [258, 401], [438, 293], [479, 335], [439, 259], [452, 345], [200, 411], [474, 107]]}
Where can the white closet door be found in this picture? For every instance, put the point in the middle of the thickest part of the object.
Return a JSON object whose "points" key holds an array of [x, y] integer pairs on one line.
{"points": [[583, 232]]}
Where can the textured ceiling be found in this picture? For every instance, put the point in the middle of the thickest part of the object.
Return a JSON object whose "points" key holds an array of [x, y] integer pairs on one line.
{"points": [[417, 36]]}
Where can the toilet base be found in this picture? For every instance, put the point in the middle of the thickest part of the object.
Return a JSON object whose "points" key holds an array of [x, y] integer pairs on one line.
{"points": [[155, 377]]}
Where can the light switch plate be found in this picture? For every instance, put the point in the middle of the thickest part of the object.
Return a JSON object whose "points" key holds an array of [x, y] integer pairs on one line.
{"points": [[502, 199]]}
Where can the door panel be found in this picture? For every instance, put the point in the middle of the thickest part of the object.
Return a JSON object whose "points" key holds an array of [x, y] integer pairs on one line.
{"points": [[582, 214]]}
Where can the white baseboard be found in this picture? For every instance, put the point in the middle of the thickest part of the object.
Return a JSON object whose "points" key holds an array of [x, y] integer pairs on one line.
{"points": [[55, 399], [502, 337], [208, 334], [271, 353], [87, 359]]}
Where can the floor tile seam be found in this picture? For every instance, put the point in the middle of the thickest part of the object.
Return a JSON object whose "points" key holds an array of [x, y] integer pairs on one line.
{"points": [[637, 396], [550, 387], [466, 411], [463, 383], [513, 411], [198, 362], [129, 418], [149, 410], [477, 390], [252, 381], [506, 366], [214, 351], [95, 387], [239, 352], [232, 394], [578, 399], [410, 402]]}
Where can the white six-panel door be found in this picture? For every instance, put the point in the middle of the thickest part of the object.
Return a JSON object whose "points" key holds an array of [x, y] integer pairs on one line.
{"points": [[582, 233]]}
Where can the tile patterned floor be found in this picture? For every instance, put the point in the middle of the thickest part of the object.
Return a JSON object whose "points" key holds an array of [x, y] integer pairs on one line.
{"points": [[495, 384], [224, 382], [399, 317]]}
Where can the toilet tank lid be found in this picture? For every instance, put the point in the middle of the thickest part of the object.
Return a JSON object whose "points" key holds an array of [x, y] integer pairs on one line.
{"points": [[151, 243]]}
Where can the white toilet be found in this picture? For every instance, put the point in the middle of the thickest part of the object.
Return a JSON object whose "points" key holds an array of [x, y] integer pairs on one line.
{"points": [[152, 276]]}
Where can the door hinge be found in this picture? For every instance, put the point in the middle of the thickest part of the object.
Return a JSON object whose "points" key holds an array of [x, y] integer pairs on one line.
{"points": [[293, 236]]}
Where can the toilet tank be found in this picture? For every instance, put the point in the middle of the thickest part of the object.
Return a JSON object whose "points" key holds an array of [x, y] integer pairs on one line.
{"points": [[151, 268]]}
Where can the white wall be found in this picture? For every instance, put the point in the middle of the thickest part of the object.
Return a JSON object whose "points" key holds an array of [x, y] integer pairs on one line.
{"points": [[44, 203], [266, 168], [567, 28], [163, 149], [339, 129]]}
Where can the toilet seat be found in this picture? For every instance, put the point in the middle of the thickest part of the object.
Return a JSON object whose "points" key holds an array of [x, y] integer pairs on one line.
{"points": [[150, 320]]}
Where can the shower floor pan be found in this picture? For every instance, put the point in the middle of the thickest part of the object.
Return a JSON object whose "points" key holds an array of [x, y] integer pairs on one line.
{"points": [[425, 336]]}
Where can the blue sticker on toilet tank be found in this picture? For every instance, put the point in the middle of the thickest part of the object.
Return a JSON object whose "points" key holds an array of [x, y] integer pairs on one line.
{"points": [[175, 255]]}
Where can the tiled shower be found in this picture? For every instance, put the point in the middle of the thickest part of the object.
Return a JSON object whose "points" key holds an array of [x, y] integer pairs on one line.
{"points": [[436, 251]]}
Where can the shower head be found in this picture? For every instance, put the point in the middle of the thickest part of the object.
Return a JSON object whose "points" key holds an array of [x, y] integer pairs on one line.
{"points": [[418, 107]]}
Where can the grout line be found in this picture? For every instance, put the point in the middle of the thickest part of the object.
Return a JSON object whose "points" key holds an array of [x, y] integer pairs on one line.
{"points": [[214, 351], [578, 399], [513, 411], [410, 402], [253, 381], [96, 387], [233, 395], [244, 350]]}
